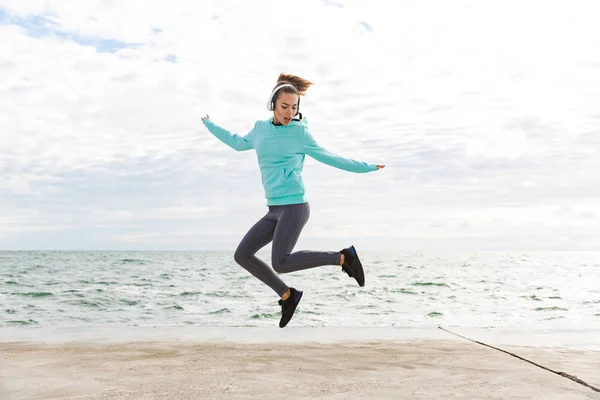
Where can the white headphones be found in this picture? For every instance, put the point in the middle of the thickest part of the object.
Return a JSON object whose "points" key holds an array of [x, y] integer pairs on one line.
{"points": [[271, 104]]}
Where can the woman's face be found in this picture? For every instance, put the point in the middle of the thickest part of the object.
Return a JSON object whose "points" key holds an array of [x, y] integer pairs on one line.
{"points": [[285, 108]]}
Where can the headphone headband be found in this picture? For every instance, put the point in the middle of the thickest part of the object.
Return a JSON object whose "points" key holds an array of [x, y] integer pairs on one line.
{"points": [[270, 105]]}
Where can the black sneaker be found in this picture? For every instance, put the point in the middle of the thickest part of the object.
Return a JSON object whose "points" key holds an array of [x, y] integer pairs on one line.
{"points": [[352, 265], [289, 306]]}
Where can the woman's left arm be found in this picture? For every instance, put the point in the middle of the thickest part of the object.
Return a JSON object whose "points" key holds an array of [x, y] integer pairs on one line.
{"points": [[313, 149]]}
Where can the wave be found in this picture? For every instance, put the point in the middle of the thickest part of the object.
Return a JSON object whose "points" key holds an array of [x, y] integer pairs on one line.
{"points": [[551, 309], [133, 261], [430, 284], [435, 314], [34, 294], [21, 322]]}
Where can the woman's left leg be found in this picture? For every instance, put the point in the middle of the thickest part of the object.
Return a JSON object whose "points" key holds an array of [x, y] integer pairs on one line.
{"points": [[291, 221]]}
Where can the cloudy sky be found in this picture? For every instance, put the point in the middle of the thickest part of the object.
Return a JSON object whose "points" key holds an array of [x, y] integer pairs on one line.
{"points": [[487, 115]]}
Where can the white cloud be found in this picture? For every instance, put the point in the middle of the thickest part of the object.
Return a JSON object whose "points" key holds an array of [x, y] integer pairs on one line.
{"points": [[498, 143], [486, 116]]}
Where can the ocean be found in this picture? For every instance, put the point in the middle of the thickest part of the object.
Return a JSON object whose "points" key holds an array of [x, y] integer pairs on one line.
{"points": [[83, 289]]}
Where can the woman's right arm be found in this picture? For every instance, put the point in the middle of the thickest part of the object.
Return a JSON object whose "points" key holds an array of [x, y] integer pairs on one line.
{"points": [[232, 140]]}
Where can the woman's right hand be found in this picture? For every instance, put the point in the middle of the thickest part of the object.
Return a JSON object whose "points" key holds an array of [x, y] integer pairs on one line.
{"points": [[205, 117]]}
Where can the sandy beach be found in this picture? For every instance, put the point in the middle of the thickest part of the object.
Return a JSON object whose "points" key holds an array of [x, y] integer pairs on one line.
{"points": [[348, 369]]}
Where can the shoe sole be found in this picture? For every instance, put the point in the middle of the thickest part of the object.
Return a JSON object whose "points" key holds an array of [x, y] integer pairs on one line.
{"points": [[299, 297]]}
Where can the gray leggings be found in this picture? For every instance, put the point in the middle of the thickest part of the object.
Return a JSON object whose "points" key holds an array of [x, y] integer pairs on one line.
{"points": [[282, 225]]}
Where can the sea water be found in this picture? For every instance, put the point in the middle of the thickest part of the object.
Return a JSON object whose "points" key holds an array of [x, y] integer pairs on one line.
{"points": [[545, 290]]}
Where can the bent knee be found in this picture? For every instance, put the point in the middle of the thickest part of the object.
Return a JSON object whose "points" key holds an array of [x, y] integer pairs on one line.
{"points": [[279, 265], [239, 256]]}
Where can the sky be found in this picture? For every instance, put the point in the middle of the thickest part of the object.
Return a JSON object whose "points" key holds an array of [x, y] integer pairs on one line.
{"points": [[486, 115]]}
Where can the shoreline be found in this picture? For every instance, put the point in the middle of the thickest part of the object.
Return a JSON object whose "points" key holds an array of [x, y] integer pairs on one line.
{"points": [[565, 338]]}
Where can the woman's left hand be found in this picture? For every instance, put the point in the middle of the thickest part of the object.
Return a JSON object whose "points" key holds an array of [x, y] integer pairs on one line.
{"points": [[380, 166]]}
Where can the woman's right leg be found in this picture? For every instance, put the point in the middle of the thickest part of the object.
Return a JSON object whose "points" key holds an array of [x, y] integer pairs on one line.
{"points": [[291, 222], [258, 237]]}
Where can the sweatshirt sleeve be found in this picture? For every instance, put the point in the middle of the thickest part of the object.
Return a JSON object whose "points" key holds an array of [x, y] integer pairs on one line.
{"points": [[312, 148], [232, 140]]}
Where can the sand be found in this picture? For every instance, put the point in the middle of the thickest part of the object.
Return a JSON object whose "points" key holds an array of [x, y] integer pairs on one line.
{"points": [[349, 369]]}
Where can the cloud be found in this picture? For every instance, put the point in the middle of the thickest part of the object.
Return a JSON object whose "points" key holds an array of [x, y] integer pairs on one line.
{"points": [[333, 3], [485, 117], [39, 26], [366, 26]]}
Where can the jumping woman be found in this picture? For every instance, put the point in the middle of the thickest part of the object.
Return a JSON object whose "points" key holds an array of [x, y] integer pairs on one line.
{"points": [[281, 143]]}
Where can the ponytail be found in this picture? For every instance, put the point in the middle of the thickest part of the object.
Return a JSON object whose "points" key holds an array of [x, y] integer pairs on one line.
{"points": [[300, 84]]}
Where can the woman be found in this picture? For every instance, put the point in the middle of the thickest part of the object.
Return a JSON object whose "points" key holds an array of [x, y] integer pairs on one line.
{"points": [[281, 144]]}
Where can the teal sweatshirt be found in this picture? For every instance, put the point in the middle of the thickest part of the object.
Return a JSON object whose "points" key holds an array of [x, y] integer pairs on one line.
{"points": [[281, 150]]}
